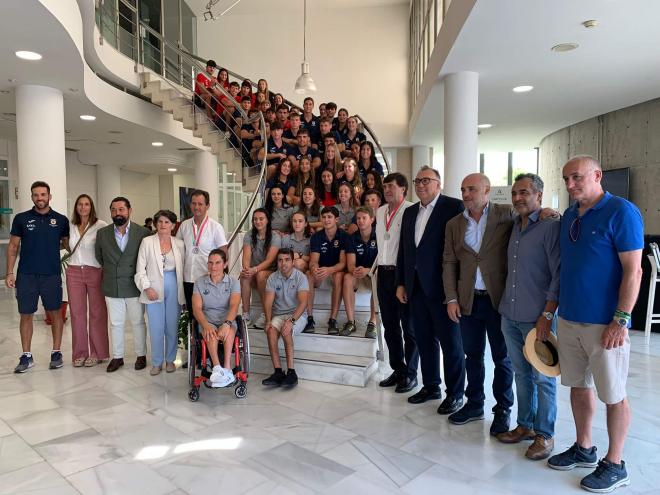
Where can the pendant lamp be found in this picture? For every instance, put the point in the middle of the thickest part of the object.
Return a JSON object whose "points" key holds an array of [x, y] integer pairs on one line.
{"points": [[305, 83]]}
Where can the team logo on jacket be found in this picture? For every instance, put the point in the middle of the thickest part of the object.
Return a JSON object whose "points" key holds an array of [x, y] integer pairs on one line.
{"points": [[373, 243], [336, 243], [53, 221]]}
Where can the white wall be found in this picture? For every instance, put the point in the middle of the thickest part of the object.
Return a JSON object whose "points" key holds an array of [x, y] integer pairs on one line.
{"points": [[358, 56], [142, 190], [79, 179]]}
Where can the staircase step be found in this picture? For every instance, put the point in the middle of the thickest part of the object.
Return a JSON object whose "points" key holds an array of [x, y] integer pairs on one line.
{"points": [[355, 345], [212, 136], [201, 129], [320, 367], [182, 109], [173, 101]]}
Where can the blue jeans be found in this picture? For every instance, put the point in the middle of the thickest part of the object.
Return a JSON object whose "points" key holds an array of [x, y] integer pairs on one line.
{"points": [[163, 323], [537, 393]]}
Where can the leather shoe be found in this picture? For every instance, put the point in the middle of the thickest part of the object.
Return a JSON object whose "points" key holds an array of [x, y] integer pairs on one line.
{"points": [[450, 405], [518, 434], [115, 364], [390, 381], [500, 422], [425, 394], [141, 363], [406, 384], [541, 448]]}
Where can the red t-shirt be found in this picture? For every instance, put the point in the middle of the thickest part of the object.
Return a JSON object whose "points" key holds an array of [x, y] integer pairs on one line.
{"points": [[328, 199], [202, 79]]}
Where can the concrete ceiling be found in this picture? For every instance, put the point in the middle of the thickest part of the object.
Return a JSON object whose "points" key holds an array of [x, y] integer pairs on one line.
{"points": [[108, 139], [252, 7], [508, 43]]}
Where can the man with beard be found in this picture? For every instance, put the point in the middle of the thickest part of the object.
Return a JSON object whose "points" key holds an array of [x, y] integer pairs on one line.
{"points": [[117, 250], [39, 232]]}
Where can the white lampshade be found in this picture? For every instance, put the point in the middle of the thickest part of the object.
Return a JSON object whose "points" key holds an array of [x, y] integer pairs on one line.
{"points": [[305, 83]]}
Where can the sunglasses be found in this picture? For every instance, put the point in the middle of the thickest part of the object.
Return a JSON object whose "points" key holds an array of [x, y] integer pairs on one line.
{"points": [[574, 230]]}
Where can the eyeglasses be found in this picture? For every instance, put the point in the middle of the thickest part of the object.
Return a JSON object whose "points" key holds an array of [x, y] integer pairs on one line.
{"points": [[425, 181], [574, 230]]}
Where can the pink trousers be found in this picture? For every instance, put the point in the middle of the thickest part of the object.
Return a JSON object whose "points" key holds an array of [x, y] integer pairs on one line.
{"points": [[90, 336]]}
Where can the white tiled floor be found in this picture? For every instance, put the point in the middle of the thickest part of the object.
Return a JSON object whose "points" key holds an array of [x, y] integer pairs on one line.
{"points": [[87, 431]]}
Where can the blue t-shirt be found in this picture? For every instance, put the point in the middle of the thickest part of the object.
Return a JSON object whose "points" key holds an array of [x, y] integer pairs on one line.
{"points": [[328, 249], [310, 153], [273, 148], [365, 252], [312, 126], [359, 137], [40, 241], [591, 271]]}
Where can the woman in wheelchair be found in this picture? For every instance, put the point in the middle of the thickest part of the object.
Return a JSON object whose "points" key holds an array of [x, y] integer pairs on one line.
{"points": [[215, 301]]}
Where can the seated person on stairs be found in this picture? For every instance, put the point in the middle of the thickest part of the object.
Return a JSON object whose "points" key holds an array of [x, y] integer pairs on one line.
{"points": [[285, 305], [360, 256], [215, 301]]}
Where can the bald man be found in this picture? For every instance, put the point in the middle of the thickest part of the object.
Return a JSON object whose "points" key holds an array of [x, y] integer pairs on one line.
{"points": [[474, 275], [601, 242]]}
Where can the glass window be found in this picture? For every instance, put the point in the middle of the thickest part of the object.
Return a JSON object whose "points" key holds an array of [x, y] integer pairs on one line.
{"points": [[525, 161], [496, 167]]}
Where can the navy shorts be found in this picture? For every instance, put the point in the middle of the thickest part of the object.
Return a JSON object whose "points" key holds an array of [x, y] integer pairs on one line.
{"points": [[29, 287]]}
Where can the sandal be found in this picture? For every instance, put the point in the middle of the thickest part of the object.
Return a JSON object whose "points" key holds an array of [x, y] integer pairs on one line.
{"points": [[89, 362], [77, 363]]}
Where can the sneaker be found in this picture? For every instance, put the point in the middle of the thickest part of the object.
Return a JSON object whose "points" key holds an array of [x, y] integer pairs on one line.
{"points": [[309, 328], [333, 328], [574, 457], [56, 360], [370, 333], [224, 377], [291, 379], [274, 380], [349, 328], [261, 321], [500, 422], [230, 376], [606, 477], [466, 414], [246, 319], [217, 375], [25, 362]]}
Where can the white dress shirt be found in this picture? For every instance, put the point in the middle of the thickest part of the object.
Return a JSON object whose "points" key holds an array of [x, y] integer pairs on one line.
{"points": [[388, 249], [84, 253], [213, 236], [423, 216], [474, 235]]}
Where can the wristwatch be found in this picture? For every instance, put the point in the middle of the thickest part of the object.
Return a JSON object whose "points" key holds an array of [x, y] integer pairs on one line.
{"points": [[228, 322], [548, 315], [621, 321], [293, 320]]}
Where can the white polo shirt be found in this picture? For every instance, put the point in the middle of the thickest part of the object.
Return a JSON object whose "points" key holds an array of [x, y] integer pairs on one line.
{"points": [[388, 245], [212, 237]]}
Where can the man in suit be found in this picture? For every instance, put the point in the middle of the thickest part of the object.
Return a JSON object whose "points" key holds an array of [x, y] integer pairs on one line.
{"points": [[474, 275], [117, 248], [418, 276]]}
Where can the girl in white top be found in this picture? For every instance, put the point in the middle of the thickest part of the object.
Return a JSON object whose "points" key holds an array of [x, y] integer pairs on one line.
{"points": [[83, 284]]}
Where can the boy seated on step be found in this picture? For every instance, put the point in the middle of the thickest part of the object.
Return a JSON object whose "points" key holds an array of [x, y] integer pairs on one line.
{"points": [[360, 257], [285, 307], [327, 263]]}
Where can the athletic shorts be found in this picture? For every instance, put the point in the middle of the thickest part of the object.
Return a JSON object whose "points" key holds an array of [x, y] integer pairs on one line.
{"points": [[30, 287]]}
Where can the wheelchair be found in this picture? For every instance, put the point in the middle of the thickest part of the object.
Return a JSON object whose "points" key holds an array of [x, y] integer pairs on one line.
{"points": [[200, 366]]}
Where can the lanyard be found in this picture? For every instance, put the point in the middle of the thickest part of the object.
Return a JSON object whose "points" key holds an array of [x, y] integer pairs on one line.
{"points": [[388, 222], [196, 238]]}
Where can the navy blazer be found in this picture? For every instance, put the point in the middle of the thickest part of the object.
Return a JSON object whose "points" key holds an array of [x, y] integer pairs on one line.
{"points": [[426, 258]]}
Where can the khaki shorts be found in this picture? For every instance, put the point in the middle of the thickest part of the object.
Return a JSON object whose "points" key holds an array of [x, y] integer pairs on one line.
{"points": [[298, 327], [584, 362]]}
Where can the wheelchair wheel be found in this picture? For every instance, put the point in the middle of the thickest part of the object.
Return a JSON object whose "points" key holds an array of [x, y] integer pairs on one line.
{"points": [[192, 355], [193, 394], [241, 391], [244, 347]]}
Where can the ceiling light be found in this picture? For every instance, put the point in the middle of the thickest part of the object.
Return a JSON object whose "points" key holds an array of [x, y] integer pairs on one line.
{"points": [[485, 126], [522, 89], [591, 23], [157, 144], [171, 169], [304, 84], [25, 55], [564, 47], [87, 117]]}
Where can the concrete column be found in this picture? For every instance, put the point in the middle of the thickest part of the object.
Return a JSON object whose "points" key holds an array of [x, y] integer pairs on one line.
{"points": [[421, 155], [206, 178], [460, 129], [108, 184], [40, 144]]}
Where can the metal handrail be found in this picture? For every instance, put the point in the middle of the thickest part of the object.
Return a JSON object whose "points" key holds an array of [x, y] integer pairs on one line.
{"points": [[377, 141]]}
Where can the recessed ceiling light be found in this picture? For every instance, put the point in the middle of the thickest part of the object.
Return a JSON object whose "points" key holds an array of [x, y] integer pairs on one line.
{"points": [[485, 126], [87, 117], [523, 89], [157, 144], [564, 47], [25, 55], [171, 170], [591, 23], [114, 132]]}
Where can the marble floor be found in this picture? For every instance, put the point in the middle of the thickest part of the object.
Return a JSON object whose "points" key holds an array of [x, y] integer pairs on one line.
{"points": [[86, 431]]}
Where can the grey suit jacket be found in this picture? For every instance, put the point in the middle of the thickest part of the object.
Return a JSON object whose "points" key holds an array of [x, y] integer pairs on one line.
{"points": [[118, 266], [460, 262]]}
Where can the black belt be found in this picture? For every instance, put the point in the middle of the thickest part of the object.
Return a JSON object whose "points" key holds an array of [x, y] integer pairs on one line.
{"points": [[387, 267], [479, 292]]}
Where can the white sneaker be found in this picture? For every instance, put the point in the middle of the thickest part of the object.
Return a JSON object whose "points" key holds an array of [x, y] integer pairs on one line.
{"points": [[261, 321], [226, 379], [218, 374], [246, 319], [230, 374]]}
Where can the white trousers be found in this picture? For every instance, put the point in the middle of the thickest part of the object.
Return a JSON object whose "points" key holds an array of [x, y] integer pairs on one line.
{"points": [[118, 310]]}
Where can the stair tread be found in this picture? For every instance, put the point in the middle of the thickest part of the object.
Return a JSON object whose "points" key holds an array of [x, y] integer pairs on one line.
{"points": [[321, 357]]}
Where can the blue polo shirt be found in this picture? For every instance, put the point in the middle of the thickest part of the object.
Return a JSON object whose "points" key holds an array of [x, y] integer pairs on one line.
{"points": [[273, 148], [40, 241], [591, 271], [311, 153], [365, 252], [312, 126], [328, 249], [359, 137]]}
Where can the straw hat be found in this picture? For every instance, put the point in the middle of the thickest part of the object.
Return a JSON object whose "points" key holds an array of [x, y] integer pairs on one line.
{"points": [[544, 356]]}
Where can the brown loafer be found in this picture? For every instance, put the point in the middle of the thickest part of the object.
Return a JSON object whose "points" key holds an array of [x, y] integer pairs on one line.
{"points": [[518, 434], [115, 364], [155, 370], [170, 367], [141, 363], [541, 448]]}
